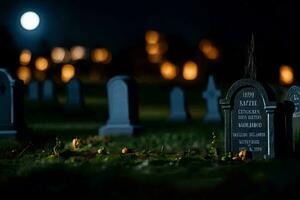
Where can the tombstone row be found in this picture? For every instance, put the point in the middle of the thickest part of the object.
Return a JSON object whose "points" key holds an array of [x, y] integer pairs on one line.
{"points": [[46, 92], [253, 118]]}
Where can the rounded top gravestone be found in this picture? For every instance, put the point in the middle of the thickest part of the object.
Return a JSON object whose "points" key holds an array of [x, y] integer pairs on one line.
{"points": [[250, 123], [293, 96], [122, 107], [75, 101], [178, 106], [11, 105]]}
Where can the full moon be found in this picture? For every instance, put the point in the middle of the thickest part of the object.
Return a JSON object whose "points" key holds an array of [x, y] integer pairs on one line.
{"points": [[30, 20]]}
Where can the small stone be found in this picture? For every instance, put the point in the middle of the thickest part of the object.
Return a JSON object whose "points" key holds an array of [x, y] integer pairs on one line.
{"points": [[245, 155], [125, 150], [102, 151], [75, 143]]}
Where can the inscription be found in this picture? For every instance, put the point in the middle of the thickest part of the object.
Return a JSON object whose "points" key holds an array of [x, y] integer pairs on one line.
{"points": [[249, 129]]}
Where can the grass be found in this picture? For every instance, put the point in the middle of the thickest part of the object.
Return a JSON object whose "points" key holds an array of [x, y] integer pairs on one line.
{"points": [[168, 160]]}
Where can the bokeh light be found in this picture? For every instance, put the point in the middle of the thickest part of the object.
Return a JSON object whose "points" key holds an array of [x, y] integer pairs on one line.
{"points": [[153, 49], [25, 57], [152, 37], [30, 20], [41, 64], [67, 72], [24, 74], [286, 75], [58, 54], [157, 58], [168, 70], [108, 59], [190, 70], [101, 55], [77, 52], [209, 50]]}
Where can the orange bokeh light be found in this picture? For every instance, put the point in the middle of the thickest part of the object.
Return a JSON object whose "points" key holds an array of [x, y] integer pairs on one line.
{"points": [[152, 37], [209, 50], [77, 52], [190, 70], [168, 70], [41, 64], [101, 55], [67, 72], [24, 74], [25, 57], [58, 54], [286, 75]]}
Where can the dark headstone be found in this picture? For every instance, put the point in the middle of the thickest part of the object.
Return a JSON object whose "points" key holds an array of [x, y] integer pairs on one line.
{"points": [[122, 107], [178, 106], [254, 120], [211, 95], [33, 91], [293, 95], [11, 106], [74, 102], [48, 91]]}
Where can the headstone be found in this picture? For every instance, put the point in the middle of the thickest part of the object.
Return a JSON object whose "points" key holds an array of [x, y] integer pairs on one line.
{"points": [[11, 105], [33, 91], [74, 102], [178, 106], [48, 91], [211, 95], [293, 95], [254, 120], [122, 107]]}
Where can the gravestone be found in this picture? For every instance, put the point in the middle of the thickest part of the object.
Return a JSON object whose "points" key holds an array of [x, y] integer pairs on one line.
{"points": [[211, 95], [178, 106], [254, 120], [293, 95], [249, 119], [11, 106], [33, 91], [122, 107], [74, 102], [48, 91]]}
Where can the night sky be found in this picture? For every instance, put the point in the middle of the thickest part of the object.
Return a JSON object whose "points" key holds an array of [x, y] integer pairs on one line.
{"points": [[121, 24]]}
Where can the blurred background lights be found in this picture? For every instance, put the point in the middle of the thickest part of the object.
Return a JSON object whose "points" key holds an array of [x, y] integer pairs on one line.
{"points": [[77, 52], [190, 70], [108, 59], [286, 75], [58, 54], [152, 49], [25, 57], [24, 74], [156, 58], [41, 64], [30, 20], [168, 70], [209, 50], [152, 37], [100, 55], [67, 72]]}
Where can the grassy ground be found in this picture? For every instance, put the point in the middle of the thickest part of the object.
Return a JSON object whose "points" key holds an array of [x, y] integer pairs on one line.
{"points": [[167, 160]]}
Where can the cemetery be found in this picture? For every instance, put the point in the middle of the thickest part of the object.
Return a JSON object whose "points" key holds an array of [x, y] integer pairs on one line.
{"points": [[155, 119]]}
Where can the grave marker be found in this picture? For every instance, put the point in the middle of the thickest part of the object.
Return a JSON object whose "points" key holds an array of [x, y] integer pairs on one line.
{"points": [[33, 91], [293, 95], [122, 107], [178, 106], [211, 95], [74, 102], [48, 91], [253, 119], [11, 105]]}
